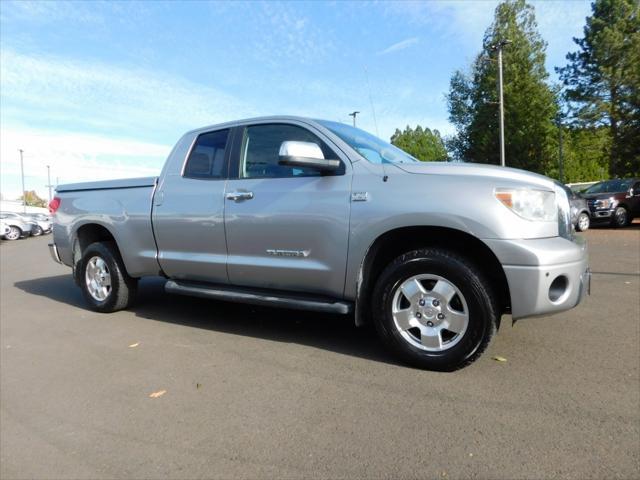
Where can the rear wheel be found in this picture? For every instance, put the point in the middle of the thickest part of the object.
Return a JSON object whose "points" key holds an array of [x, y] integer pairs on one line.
{"points": [[583, 222], [620, 217], [14, 233], [434, 309], [104, 281]]}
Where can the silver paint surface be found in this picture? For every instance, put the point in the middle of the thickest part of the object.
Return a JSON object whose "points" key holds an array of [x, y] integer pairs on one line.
{"points": [[193, 232]]}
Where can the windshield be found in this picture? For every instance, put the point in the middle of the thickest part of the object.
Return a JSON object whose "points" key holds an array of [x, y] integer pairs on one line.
{"points": [[610, 186], [369, 147]]}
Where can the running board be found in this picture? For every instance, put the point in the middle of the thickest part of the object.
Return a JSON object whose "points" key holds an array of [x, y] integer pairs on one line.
{"points": [[259, 297]]}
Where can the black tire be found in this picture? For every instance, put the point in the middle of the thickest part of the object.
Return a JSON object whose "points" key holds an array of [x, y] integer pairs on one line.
{"points": [[583, 223], [620, 217], [122, 289], [14, 233], [482, 311], [36, 231]]}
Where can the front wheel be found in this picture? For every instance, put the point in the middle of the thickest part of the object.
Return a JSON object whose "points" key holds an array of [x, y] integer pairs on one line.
{"points": [[104, 281], [620, 217], [37, 231], [14, 233], [434, 309], [583, 222]]}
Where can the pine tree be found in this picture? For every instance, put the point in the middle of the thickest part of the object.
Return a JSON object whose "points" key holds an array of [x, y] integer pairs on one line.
{"points": [[529, 103], [602, 80]]}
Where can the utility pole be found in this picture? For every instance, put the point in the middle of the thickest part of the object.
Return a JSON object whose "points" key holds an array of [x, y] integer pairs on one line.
{"points": [[353, 114], [24, 197], [49, 181], [560, 159], [499, 46]]}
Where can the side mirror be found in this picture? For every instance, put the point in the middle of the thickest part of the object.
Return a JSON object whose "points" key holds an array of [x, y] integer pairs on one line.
{"points": [[306, 155]]}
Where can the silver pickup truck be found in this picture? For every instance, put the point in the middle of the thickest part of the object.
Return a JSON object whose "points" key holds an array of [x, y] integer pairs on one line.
{"points": [[317, 215]]}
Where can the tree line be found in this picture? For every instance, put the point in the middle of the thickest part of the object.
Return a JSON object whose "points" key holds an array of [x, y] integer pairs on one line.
{"points": [[585, 127]]}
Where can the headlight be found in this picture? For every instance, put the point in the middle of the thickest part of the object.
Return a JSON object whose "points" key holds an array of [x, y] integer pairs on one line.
{"points": [[605, 203], [529, 203]]}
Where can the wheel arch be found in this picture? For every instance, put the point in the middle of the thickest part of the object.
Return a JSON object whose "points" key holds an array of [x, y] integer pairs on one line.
{"points": [[393, 243], [85, 235]]}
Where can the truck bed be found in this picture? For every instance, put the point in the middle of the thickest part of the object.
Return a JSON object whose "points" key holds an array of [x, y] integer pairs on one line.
{"points": [[122, 207], [108, 184]]}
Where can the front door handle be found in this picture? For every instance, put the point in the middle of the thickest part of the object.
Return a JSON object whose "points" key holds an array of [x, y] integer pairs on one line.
{"points": [[237, 196]]}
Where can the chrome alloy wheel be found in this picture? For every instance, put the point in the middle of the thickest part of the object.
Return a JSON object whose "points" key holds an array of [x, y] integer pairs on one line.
{"points": [[98, 278], [14, 234], [430, 312], [583, 222]]}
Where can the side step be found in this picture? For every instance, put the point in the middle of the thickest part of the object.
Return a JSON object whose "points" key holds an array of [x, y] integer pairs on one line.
{"points": [[259, 297]]}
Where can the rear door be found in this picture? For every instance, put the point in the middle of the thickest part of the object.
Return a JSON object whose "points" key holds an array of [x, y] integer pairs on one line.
{"points": [[287, 227], [188, 212]]}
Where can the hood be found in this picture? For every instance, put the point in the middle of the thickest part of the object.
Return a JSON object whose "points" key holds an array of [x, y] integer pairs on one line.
{"points": [[476, 170]]}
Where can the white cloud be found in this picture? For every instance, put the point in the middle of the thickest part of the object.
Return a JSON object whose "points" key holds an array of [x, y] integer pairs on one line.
{"points": [[80, 118], [460, 20], [399, 46], [108, 98], [73, 157]]}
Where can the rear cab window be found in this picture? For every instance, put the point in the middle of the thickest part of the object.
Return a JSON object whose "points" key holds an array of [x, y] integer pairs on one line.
{"points": [[208, 157]]}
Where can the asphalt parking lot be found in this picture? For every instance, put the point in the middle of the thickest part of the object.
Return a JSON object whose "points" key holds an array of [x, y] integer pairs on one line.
{"points": [[261, 393]]}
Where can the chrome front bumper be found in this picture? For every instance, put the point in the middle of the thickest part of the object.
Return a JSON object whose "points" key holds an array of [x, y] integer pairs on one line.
{"points": [[53, 250]]}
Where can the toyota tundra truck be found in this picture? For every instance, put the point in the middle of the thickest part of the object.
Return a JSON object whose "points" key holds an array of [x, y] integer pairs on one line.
{"points": [[317, 215]]}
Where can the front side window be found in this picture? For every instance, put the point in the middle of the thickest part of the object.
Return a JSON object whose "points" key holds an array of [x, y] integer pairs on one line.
{"points": [[260, 153], [207, 158]]}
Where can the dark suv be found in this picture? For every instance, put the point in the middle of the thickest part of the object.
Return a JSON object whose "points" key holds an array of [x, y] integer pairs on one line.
{"points": [[614, 201]]}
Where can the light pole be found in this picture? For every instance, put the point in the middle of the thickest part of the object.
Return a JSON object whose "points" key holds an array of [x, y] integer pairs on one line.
{"points": [[560, 156], [499, 46], [24, 197], [49, 181], [353, 114]]}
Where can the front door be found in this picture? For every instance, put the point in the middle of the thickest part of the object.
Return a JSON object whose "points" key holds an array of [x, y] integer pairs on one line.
{"points": [[287, 227], [635, 200], [188, 213]]}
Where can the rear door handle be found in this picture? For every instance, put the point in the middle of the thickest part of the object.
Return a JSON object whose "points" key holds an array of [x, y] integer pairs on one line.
{"points": [[237, 196]]}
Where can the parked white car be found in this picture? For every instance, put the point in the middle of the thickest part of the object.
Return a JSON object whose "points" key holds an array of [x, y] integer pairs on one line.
{"points": [[19, 226], [42, 221], [4, 229]]}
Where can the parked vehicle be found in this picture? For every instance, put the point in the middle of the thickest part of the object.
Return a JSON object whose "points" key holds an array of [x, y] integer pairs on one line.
{"points": [[19, 226], [4, 229], [580, 215], [318, 215], [615, 201], [43, 223]]}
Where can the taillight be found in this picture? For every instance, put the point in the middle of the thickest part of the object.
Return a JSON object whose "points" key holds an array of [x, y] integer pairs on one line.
{"points": [[54, 205]]}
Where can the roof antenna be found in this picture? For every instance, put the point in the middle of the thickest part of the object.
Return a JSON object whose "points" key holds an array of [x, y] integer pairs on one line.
{"points": [[373, 109], [385, 177]]}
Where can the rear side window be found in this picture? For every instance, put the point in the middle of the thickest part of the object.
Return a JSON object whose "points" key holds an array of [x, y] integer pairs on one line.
{"points": [[207, 158]]}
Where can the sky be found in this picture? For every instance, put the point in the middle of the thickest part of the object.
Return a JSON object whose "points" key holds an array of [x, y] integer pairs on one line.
{"points": [[100, 90]]}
